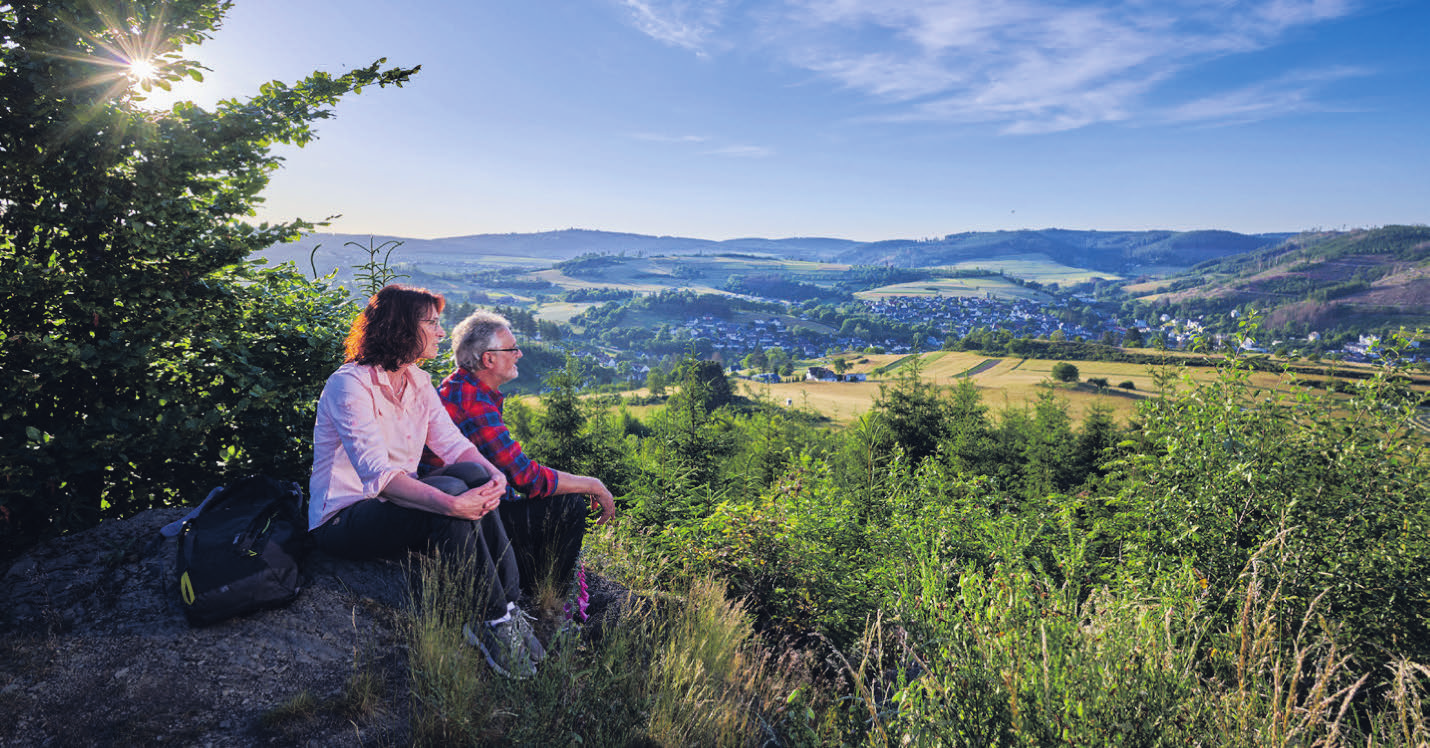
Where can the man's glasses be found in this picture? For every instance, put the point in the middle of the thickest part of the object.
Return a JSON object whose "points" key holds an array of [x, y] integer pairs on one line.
{"points": [[513, 349]]}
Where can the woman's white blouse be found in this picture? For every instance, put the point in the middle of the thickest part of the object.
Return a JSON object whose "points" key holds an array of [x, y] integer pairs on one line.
{"points": [[365, 436]]}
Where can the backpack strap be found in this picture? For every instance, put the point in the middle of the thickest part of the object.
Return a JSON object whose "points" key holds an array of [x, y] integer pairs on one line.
{"points": [[174, 528]]}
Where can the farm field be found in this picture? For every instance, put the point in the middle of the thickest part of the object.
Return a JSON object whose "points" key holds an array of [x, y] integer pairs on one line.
{"points": [[562, 311], [705, 274], [1037, 267], [1033, 267], [1146, 287], [718, 268], [994, 286], [1006, 381], [643, 283], [1003, 382]]}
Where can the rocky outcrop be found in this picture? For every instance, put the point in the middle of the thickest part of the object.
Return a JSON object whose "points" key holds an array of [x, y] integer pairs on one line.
{"points": [[97, 651]]}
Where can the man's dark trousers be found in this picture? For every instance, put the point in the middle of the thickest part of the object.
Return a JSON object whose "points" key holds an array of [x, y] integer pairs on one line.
{"points": [[546, 535]]}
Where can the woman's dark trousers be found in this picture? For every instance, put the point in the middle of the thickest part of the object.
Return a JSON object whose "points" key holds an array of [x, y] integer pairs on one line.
{"points": [[381, 529]]}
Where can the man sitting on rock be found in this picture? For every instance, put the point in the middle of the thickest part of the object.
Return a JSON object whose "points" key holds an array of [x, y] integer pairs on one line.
{"points": [[547, 525]]}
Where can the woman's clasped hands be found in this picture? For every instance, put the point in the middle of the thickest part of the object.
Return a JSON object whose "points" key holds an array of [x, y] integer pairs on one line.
{"points": [[476, 502]]}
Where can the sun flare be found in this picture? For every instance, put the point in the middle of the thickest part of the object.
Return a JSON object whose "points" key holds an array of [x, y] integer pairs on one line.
{"points": [[142, 70]]}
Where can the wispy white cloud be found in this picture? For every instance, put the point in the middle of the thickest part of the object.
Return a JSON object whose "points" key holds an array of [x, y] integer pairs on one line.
{"points": [[1287, 13], [742, 151], [664, 138], [1290, 94], [681, 23], [711, 148], [1023, 66]]}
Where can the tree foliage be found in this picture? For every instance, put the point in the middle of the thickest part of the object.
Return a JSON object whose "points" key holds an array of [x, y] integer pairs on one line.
{"points": [[1065, 372], [142, 358], [915, 411], [1341, 484]]}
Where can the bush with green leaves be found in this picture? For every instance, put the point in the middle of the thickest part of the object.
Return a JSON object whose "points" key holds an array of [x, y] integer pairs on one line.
{"points": [[142, 358], [1222, 467]]}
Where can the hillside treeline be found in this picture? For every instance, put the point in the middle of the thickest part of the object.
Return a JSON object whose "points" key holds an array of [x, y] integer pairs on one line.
{"points": [[1340, 284]]}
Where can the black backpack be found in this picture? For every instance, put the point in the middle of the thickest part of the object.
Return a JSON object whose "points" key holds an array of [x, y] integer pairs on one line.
{"points": [[239, 551]]}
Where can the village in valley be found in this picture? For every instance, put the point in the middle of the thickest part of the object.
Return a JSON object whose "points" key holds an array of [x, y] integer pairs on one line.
{"points": [[768, 347]]}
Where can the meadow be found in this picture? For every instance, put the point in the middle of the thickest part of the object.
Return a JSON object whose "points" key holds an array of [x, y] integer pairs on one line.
{"points": [[1005, 381], [701, 273], [994, 286], [1039, 268], [562, 311]]}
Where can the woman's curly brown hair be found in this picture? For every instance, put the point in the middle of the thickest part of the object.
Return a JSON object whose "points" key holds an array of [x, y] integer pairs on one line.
{"points": [[387, 333]]}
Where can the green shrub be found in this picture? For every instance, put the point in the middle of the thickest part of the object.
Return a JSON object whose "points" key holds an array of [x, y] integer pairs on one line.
{"points": [[1225, 468], [1065, 372]]}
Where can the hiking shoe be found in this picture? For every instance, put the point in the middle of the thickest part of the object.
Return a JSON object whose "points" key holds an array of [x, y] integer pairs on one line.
{"points": [[504, 647], [523, 622]]}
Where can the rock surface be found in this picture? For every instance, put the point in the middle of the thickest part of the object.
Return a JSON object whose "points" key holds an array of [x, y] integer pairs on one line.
{"points": [[98, 652]]}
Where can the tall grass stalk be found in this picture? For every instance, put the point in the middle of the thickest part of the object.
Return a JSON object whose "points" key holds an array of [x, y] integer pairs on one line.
{"points": [[1005, 655], [708, 678], [448, 681], [678, 669]]}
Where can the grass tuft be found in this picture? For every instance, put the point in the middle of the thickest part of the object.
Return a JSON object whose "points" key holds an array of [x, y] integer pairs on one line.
{"points": [[675, 669]]}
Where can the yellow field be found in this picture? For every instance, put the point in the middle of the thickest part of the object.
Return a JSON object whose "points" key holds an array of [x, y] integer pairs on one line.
{"points": [[654, 285], [1037, 267], [703, 274], [1002, 382], [1006, 381], [1147, 287], [563, 311], [989, 286]]}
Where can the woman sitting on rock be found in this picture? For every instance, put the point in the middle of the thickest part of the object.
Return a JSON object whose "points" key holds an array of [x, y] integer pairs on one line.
{"points": [[375, 415]]}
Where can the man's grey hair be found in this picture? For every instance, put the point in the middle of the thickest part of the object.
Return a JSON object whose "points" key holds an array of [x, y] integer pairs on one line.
{"points": [[475, 335]]}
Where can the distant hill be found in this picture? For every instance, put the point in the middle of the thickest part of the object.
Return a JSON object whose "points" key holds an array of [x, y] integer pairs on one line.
{"points": [[1117, 252], [541, 248], [1364, 279], [1322, 280]]}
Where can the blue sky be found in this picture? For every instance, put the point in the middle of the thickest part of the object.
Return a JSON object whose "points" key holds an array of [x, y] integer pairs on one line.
{"points": [[862, 119]]}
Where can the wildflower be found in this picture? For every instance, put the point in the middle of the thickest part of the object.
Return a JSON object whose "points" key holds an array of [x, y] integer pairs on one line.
{"points": [[580, 597]]}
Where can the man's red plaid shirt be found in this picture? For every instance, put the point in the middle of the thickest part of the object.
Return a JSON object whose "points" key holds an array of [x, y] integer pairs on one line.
{"points": [[477, 411]]}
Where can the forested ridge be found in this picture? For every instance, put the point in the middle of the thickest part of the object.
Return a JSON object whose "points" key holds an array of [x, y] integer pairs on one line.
{"points": [[1357, 280], [1232, 567]]}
